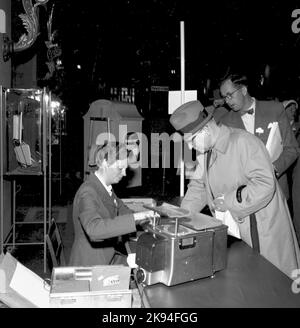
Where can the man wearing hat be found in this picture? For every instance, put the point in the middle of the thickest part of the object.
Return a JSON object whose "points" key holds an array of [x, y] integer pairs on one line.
{"points": [[255, 116], [238, 177]]}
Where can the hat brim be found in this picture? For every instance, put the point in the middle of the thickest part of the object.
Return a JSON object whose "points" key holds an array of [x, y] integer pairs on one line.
{"points": [[190, 135]]}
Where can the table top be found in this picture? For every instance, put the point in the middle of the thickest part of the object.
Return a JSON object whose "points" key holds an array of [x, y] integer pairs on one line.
{"points": [[248, 281]]}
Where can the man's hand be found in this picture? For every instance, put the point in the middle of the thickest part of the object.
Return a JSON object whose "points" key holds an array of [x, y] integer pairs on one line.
{"points": [[145, 215], [219, 204]]}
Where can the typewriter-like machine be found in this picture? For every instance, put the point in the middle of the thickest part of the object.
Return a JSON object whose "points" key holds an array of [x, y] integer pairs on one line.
{"points": [[179, 246]]}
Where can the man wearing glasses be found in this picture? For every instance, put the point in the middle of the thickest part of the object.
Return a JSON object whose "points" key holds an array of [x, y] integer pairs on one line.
{"points": [[255, 116]]}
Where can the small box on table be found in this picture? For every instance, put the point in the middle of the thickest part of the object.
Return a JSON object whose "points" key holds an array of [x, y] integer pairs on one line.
{"points": [[103, 286]]}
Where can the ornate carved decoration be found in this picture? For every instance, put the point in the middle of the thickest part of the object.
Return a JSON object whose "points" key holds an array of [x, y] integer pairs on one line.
{"points": [[31, 24]]}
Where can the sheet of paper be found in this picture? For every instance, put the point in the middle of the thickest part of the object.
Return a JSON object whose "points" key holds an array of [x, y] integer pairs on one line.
{"points": [[30, 286], [131, 260], [274, 142], [169, 210], [137, 204], [227, 219], [16, 129], [200, 221], [110, 277]]}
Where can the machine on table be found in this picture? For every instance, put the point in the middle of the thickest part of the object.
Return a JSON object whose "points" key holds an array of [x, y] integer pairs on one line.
{"points": [[179, 247]]}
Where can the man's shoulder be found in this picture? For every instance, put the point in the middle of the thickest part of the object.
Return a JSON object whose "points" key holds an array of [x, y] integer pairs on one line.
{"points": [[242, 136], [270, 106], [89, 184], [239, 133], [222, 114]]}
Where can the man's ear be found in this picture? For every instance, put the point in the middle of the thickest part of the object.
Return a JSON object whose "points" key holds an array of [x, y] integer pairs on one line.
{"points": [[104, 163], [244, 90]]}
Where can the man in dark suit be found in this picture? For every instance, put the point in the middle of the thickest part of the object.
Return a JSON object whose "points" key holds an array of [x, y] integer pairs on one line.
{"points": [[255, 116], [99, 216]]}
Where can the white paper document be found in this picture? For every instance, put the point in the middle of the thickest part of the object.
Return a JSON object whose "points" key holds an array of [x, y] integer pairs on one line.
{"points": [[274, 142], [227, 219], [131, 260], [30, 286], [175, 99]]}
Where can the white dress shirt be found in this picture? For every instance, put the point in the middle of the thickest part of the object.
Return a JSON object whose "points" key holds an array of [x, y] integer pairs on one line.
{"points": [[249, 119], [108, 188]]}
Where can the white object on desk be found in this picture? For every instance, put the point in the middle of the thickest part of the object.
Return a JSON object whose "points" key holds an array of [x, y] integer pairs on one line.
{"points": [[227, 219], [30, 286], [131, 260]]}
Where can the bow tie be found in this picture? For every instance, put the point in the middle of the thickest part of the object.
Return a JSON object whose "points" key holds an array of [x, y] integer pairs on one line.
{"points": [[250, 111]]}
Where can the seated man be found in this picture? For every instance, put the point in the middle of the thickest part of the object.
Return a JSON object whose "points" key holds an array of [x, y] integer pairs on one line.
{"points": [[238, 177], [99, 216]]}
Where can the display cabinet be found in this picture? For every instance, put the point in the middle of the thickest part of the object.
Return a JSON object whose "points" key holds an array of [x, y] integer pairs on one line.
{"points": [[25, 150]]}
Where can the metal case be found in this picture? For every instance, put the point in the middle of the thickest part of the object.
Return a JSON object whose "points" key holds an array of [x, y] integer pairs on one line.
{"points": [[173, 255]]}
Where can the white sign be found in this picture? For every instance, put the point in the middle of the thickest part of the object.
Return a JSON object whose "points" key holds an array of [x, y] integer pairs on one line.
{"points": [[2, 21], [159, 88], [175, 99]]}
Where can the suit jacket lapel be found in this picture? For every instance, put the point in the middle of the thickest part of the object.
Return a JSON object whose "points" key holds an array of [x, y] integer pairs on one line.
{"points": [[102, 192], [260, 123]]}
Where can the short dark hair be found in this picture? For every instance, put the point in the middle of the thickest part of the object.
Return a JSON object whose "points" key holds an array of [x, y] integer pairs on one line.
{"points": [[236, 78], [110, 151]]}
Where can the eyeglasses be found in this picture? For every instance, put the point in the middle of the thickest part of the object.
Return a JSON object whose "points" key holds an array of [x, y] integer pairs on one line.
{"points": [[230, 95]]}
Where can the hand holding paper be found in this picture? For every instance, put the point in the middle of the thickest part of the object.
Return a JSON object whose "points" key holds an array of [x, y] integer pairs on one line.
{"points": [[227, 219], [219, 204], [140, 216]]}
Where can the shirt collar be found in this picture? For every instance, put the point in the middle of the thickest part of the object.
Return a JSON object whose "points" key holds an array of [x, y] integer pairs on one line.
{"points": [[253, 105], [108, 188]]}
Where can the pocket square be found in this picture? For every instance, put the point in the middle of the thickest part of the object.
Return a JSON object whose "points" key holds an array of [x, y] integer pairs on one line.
{"points": [[259, 130]]}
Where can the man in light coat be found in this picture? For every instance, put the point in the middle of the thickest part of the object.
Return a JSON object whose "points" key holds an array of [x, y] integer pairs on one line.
{"points": [[238, 177]]}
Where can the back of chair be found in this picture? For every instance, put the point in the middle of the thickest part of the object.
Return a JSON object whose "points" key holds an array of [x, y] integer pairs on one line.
{"points": [[55, 247]]}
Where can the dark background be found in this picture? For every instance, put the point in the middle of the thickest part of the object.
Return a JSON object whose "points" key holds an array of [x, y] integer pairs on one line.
{"points": [[134, 43]]}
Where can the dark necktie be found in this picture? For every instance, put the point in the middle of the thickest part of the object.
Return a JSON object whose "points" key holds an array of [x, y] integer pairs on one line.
{"points": [[254, 233], [208, 157], [250, 111], [253, 222]]}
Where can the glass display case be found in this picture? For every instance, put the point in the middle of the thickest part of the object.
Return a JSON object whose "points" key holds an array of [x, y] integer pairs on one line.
{"points": [[26, 129], [25, 150]]}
